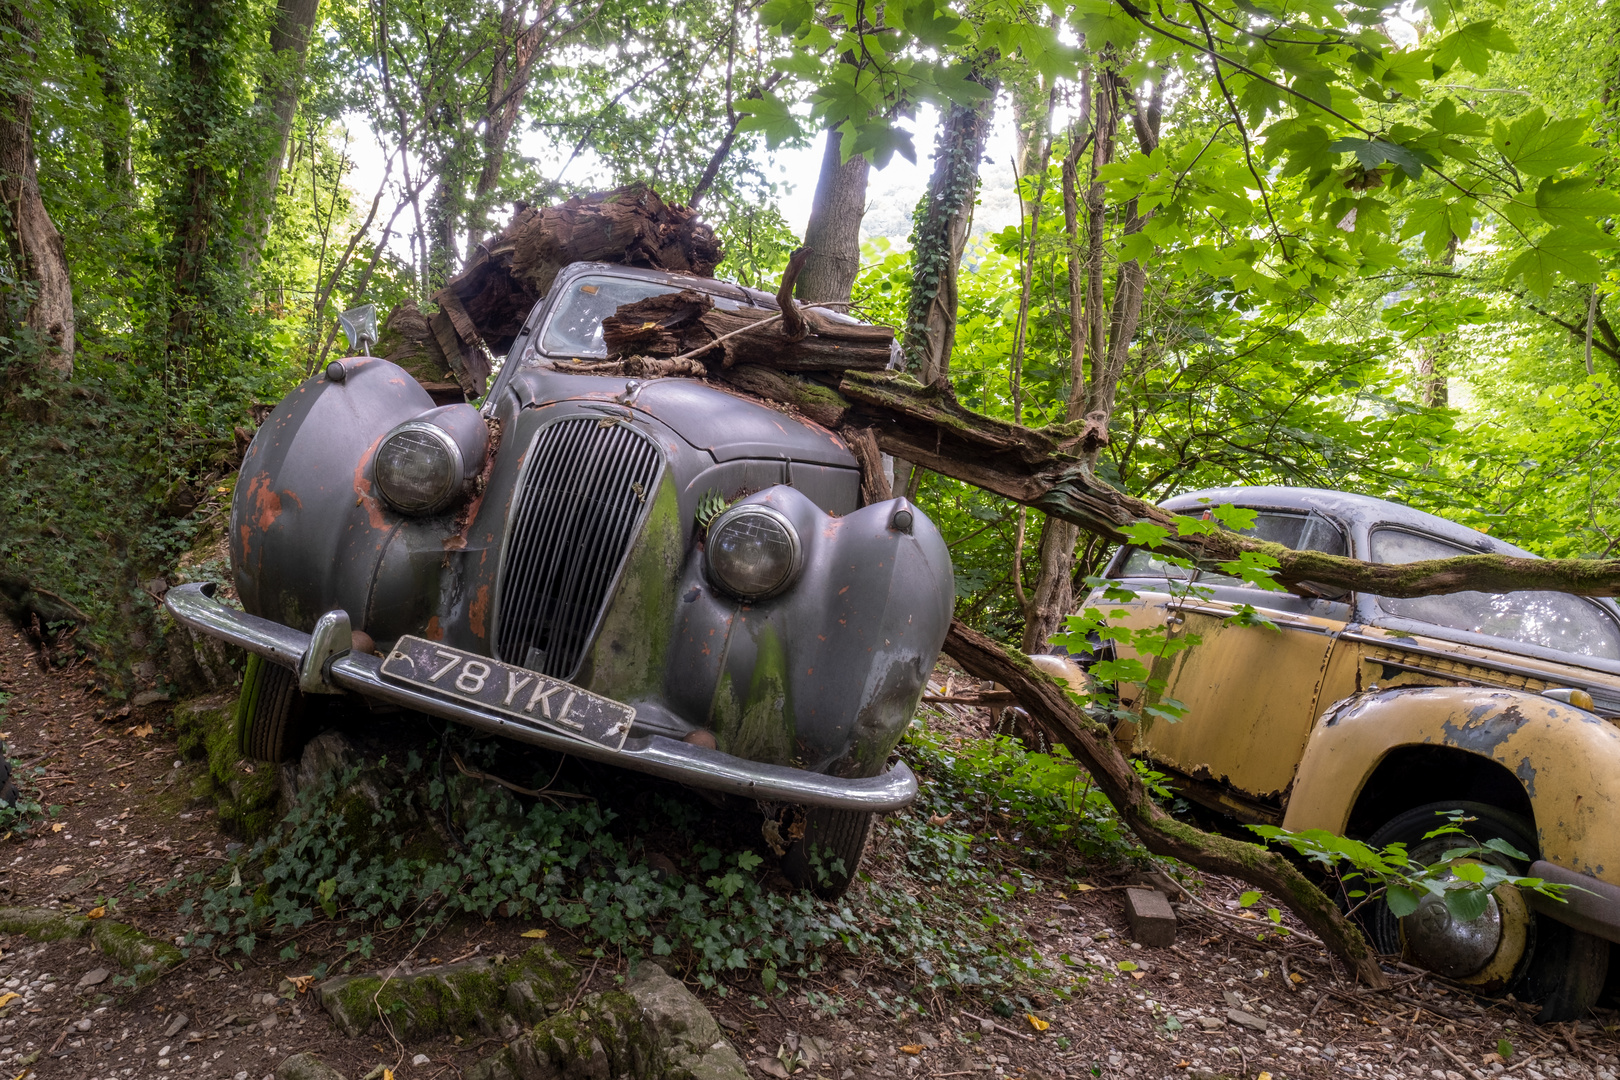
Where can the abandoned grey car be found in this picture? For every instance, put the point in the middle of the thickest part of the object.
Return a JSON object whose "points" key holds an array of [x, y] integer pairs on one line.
{"points": [[660, 575]]}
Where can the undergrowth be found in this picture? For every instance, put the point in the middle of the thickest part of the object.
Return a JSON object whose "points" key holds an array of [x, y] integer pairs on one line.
{"points": [[20, 817], [938, 909]]}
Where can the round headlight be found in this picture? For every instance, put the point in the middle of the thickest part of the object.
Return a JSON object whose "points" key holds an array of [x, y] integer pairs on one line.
{"points": [[753, 552], [418, 469]]}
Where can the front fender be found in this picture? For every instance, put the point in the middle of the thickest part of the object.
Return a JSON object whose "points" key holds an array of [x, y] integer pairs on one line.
{"points": [[307, 531], [1567, 759]]}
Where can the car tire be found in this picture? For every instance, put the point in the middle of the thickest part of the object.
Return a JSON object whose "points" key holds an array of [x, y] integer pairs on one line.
{"points": [[270, 712], [1562, 970], [831, 837], [9, 794]]}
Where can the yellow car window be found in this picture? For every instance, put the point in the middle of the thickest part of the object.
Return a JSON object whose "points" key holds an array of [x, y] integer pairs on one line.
{"points": [[1548, 619]]}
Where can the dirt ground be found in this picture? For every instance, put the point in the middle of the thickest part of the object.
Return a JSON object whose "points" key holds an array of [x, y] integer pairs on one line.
{"points": [[1216, 1002]]}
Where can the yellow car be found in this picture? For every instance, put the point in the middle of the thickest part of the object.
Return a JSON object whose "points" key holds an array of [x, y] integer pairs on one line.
{"points": [[1368, 717]]}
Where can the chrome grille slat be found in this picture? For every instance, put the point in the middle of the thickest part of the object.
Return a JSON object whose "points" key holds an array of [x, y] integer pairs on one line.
{"points": [[574, 521]]}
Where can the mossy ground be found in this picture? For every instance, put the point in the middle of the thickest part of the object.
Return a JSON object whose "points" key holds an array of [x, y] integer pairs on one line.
{"points": [[245, 794]]}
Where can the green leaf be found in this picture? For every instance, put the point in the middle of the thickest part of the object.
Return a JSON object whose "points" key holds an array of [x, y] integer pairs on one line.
{"points": [[1537, 146], [1504, 1048], [1496, 843], [768, 114], [1466, 905], [1236, 518], [1449, 121], [1126, 965], [1145, 534], [1372, 153], [1472, 45], [1401, 900], [1248, 899], [1563, 253], [1575, 202]]}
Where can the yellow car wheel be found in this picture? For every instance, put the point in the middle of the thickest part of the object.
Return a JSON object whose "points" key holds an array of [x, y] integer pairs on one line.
{"points": [[1509, 947]]}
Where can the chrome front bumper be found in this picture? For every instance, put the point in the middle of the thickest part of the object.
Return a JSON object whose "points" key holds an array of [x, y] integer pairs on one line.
{"points": [[196, 607]]}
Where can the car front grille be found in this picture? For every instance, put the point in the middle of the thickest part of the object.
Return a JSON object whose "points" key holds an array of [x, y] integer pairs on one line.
{"points": [[583, 496]]}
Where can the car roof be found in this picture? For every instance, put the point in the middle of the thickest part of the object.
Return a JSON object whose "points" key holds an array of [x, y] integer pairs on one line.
{"points": [[1346, 507], [681, 280]]}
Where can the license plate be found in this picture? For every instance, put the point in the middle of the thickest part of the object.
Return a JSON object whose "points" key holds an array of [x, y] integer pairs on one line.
{"points": [[527, 696]]}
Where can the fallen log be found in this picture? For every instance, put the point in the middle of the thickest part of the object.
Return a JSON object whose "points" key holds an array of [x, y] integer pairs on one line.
{"points": [[481, 309], [687, 325]]}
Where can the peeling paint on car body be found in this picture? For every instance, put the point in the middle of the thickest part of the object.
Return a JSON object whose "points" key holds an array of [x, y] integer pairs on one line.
{"points": [[1355, 686]]}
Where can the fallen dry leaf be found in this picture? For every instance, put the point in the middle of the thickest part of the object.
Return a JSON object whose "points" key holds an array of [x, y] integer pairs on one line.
{"points": [[302, 983], [533, 934], [96, 913], [1296, 976], [8, 997], [58, 827], [141, 732], [1263, 1076], [1079, 887], [1492, 1058], [913, 1048], [63, 869], [1138, 974], [939, 819], [1036, 1022]]}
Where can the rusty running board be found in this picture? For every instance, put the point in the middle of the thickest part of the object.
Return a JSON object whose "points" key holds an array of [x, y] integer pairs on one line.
{"points": [[196, 607]]}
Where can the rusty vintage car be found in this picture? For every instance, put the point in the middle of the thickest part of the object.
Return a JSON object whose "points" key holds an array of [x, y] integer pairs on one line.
{"points": [[1367, 716], [657, 574]]}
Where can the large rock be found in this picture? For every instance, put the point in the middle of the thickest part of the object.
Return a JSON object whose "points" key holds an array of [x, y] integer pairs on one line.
{"points": [[655, 1029], [496, 997], [306, 1067]]}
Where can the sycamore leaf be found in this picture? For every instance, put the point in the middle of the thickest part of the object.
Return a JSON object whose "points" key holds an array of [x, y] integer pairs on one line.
{"points": [[932, 24], [1448, 121], [1562, 253], [769, 114], [1373, 153], [1472, 45], [1575, 202], [1537, 146], [1104, 23], [789, 15]]}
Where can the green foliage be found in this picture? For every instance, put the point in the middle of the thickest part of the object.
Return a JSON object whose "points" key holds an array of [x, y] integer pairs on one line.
{"points": [[20, 817], [1463, 877], [933, 912]]}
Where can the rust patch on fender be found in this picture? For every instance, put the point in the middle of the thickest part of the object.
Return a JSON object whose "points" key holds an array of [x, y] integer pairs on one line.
{"points": [[376, 513], [434, 631], [478, 611], [264, 504]]}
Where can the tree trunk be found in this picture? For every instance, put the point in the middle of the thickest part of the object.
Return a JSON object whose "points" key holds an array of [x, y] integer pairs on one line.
{"points": [[833, 233], [1048, 704], [33, 246], [92, 39], [939, 233], [1431, 380], [509, 82], [278, 93]]}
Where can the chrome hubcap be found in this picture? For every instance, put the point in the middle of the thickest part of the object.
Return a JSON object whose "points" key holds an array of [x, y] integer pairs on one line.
{"points": [[1449, 946]]}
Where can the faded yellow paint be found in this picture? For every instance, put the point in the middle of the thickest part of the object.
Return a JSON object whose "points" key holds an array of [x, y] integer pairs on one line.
{"points": [[1567, 759]]}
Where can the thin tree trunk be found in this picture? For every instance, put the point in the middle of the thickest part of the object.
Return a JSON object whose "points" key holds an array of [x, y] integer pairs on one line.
{"points": [[33, 246], [283, 82], [509, 82], [939, 233], [1431, 380], [91, 38], [833, 233]]}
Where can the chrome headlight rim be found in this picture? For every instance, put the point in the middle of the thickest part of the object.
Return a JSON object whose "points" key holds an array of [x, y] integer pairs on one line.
{"points": [[795, 564], [450, 490]]}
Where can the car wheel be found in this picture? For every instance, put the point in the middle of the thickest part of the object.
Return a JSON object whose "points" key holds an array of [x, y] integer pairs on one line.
{"points": [[270, 712], [1508, 948], [824, 860], [8, 787]]}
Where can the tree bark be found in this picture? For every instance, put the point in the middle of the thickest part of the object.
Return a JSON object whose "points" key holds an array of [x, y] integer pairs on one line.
{"points": [[278, 93], [509, 82], [939, 233], [1049, 705], [33, 246], [1431, 380], [92, 38], [833, 233]]}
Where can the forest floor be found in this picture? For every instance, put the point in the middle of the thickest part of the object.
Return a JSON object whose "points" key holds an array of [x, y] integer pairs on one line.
{"points": [[1217, 1002]]}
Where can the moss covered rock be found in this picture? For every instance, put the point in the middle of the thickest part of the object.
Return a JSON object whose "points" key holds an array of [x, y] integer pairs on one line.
{"points": [[246, 794], [144, 956], [306, 1067], [655, 1029], [494, 997]]}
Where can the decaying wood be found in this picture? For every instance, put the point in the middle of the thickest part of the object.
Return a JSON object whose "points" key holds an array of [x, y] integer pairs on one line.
{"points": [[481, 309], [688, 324], [1049, 705]]}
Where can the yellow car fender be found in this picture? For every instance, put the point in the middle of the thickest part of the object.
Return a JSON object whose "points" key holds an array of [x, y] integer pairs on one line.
{"points": [[1566, 759]]}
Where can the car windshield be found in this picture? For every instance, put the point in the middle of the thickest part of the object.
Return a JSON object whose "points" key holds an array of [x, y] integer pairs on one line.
{"points": [[1302, 532], [1551, 620], [575, 326]]}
